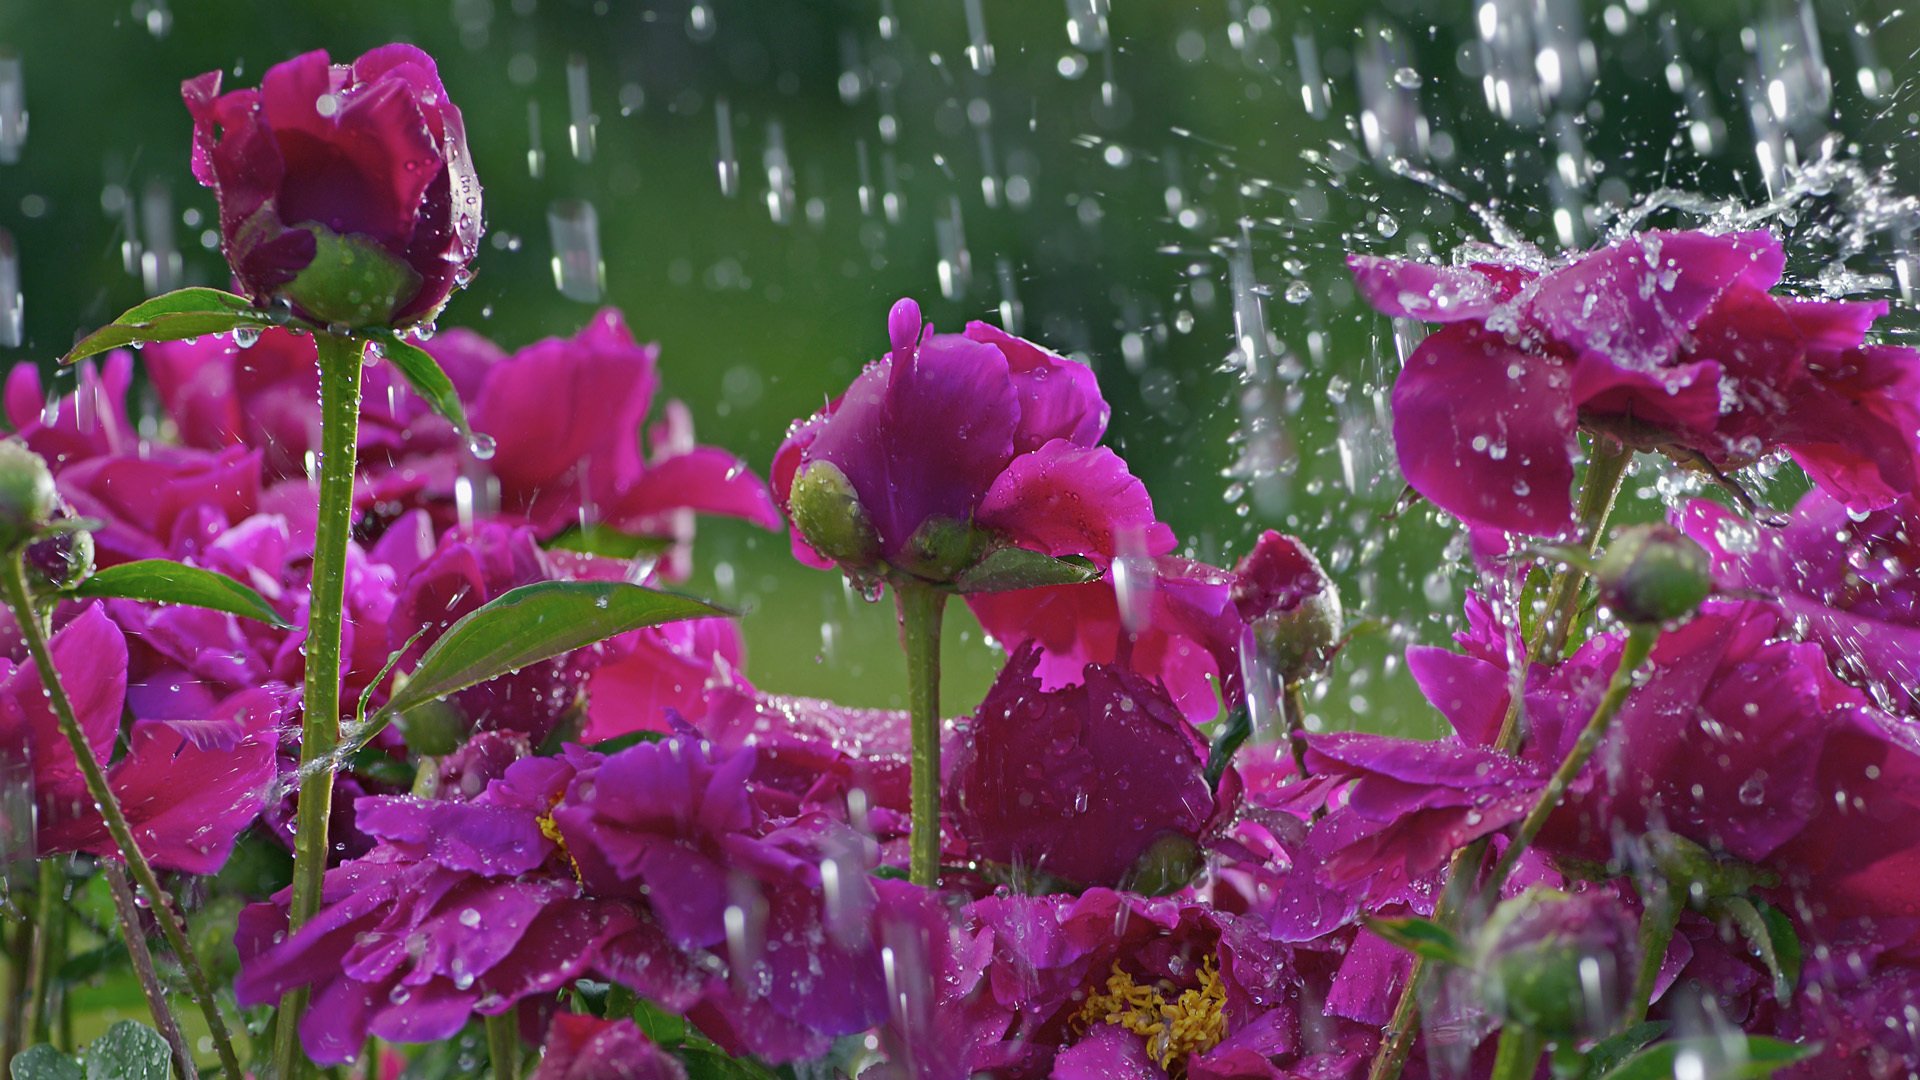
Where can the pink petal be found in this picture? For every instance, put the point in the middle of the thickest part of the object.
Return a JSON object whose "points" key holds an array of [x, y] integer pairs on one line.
{"points": [[1064, 499]]}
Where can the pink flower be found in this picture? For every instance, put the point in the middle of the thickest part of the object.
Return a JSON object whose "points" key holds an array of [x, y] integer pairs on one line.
{"points": [[1667, 340], [345, 190], [953, 443]]}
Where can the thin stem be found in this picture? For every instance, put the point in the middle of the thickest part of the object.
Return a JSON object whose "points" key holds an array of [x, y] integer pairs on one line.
{"points": [[38, 1022], [1294, 711], [320, 725], [1657, 923], [1518, 1055], [136, 938], [1606, 471], [19, 959], [18, 598], [1633, 653], [920, 609], [503, 1046]]}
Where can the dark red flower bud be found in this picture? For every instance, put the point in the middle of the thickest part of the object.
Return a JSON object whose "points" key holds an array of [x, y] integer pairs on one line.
{"points": [[1284, 594], [345, 191]]}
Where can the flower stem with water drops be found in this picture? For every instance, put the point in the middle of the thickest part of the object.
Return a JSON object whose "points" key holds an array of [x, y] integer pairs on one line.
{"points": [[1633, 654], [920, 610], [1518, 1054], [340, 359], [128, 909], [19, 599], [1607, 466], [37, 1017], [503, 1046]]}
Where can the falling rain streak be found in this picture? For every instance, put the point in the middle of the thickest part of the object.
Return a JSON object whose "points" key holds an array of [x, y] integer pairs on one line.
{"points": [[578, 270]]}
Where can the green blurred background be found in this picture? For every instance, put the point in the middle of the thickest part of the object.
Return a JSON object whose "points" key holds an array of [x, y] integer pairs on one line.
{"points": [[1164, 189]]}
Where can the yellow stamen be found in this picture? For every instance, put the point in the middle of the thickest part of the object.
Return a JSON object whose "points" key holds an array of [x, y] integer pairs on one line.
{"points": [[1193, 1023], [550, 829]]}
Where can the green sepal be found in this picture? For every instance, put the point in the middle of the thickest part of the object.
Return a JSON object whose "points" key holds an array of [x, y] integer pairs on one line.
{"points": [[1006, 569]]}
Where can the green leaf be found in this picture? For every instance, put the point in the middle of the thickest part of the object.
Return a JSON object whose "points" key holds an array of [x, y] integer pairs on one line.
{"points": [[183, 313], [530, 624], [662, 1027], [1421, 937], [423, 373], [609, 541], [621, 742], [1008, 568], [1611, 1051], [706, 1064], [167, 582], [43, 1062], [1733, 1057], [128, 1051], [1770, 935]]}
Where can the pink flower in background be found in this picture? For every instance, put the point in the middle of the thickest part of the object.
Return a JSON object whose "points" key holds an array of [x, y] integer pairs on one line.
{"points": [[345, 190], [952, 433], [1667, 340]]}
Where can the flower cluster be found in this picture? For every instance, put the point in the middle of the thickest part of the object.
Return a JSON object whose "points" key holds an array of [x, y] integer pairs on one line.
{"points": [[1693, 801]]}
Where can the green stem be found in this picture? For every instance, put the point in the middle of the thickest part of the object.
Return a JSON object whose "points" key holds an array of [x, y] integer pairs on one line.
{"points": [[1657, 923], [128, 909], [1518, 1056], [19, 960], [320, 724], [1293, 710], [503, 1046], [1606, 471], [38, 1023], [18, 597], [920, 609], [1633, 653]]}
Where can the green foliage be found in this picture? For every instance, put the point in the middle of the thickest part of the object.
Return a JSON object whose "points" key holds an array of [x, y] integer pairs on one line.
{"points": [[128, 1051], [1732, 1056], [164, 581], [183, 313], [1421, 937], [1008, 568], [423, 373]]}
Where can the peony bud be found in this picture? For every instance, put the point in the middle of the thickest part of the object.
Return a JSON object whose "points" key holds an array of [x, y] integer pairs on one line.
{"points": [[61, 561], [1283, 593], [1653, 574], [1558, 964], [27, 496], [345, 191], [828, 513]]}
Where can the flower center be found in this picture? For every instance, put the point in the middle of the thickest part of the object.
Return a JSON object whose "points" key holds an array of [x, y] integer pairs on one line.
{"points": [[1193, 1023], [550, 829]]}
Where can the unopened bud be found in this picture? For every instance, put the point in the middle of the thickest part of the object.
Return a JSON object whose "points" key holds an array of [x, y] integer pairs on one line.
{"points": [[61, 561], [1558, 964], [27, 496], [1653, 574], [1283, 593], [827, 511]]}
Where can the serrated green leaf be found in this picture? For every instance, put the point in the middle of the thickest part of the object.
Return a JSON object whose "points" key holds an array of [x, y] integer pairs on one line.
{"points": [[423, 373], [534, 623], [1422, 937], [610, 542], [1732, 1057], [183, 313], [713, 1064], [164, 581], [128, 1051], [43, 1062], [1009, 568]]}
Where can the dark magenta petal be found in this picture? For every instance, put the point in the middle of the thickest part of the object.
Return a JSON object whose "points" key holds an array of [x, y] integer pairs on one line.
{"points": [[1854, 432], [1487, 432], [588, 1048], [90, 653], [1064, 499], [1059, 398], [1471, 693], [1417, 290], [705, 479], [923, 440], [1639, 299]]}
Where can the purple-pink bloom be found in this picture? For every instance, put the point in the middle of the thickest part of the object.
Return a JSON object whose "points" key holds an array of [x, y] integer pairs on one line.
{"points": [[1169, 619], [1666, 340], [782, 908], [1852, 584], [187, 789], [589, 1048], [1078, 783], [952, 433], [345, 190], [464, 908]]}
